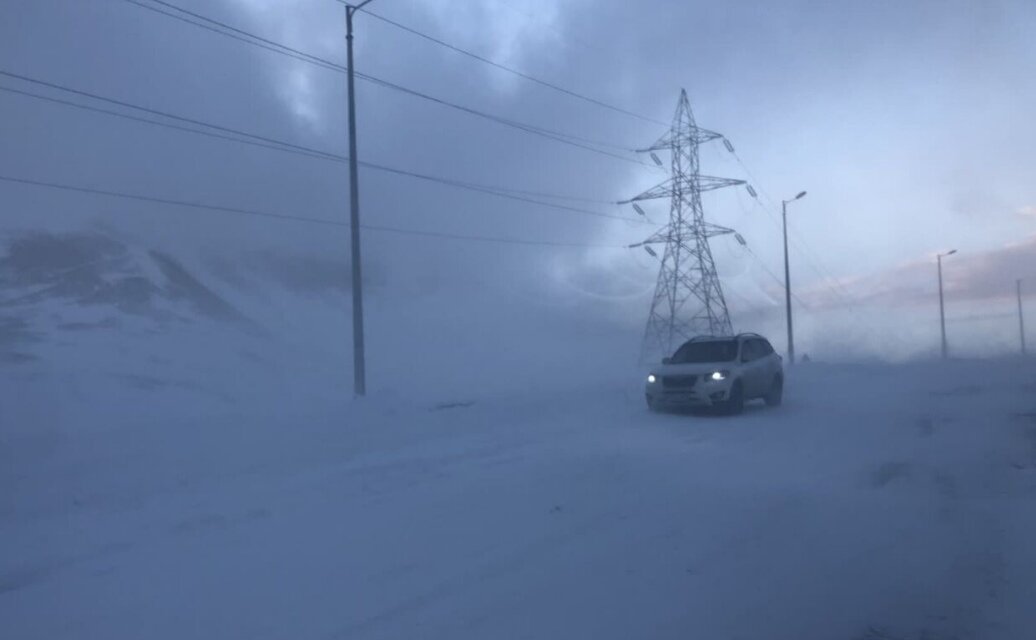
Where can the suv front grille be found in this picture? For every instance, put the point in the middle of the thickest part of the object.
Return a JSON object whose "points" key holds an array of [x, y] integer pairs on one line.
{"points": [[678, 382]]}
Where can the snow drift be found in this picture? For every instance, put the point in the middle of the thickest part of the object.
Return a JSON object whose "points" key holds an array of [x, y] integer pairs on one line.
{"points": [[180, 457]]}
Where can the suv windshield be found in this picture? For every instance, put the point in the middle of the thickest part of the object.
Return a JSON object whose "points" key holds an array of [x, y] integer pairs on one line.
{"points": [[711, 351]]}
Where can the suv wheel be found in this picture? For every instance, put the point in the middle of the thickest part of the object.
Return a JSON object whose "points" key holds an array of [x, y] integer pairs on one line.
{"points": [[735, 403], [775, 395], [652, 407]]}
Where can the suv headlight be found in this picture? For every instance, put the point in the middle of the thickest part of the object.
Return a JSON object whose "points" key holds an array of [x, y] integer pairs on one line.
{"points": [[718, 376], [652, 379]]}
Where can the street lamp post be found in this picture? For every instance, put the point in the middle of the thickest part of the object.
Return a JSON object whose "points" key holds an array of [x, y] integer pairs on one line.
{"points": [[787, 278], [359, 357], [942, 307], [1021, 317]]}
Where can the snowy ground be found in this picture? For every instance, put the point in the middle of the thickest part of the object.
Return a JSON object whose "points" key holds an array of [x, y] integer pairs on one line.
{"points": [[880, 502]]}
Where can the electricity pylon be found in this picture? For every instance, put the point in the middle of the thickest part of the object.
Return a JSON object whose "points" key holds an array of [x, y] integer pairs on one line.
{"points": [[688, 297]]}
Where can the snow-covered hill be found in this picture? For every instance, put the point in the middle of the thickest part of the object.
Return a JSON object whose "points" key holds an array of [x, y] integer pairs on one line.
{"points": [[223, 325]]}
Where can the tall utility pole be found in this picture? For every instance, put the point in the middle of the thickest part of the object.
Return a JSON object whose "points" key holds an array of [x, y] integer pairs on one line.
{"points": [[942, 308], [688, 298], [787, 278], [359, 357], [1021, 317]]}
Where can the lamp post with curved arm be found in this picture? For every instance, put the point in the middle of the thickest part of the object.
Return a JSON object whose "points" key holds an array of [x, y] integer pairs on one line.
{"points": [[942, 308], [787, 277], [359, 355]]}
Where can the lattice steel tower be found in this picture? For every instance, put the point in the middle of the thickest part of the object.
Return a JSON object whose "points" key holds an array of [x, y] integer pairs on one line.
{"points": [[688, 298]]}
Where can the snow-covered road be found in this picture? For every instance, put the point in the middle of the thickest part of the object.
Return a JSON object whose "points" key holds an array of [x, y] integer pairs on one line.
{"points": [[880, 502]]}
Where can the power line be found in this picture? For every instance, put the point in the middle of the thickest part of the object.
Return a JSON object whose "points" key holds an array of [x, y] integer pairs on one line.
{"points": [[826, 277], [499, 240], [280, 145], [224, 28], [178, 203], [749, 305], [164, 114], [775, 277], [564, 138], [501, 193], [556, 196], [276, 47], [811, 262], [255, 41], [511, 70], [168, 125], [294, 218]]}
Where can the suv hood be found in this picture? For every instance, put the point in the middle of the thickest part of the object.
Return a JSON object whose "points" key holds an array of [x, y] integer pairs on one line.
{"points": [[697, 368]]}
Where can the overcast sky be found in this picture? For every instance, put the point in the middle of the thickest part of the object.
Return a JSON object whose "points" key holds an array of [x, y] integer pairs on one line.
{"points": [[910, 124]]}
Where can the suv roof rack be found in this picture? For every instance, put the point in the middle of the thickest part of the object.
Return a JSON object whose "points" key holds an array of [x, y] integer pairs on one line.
{"points": [[709, 338]]}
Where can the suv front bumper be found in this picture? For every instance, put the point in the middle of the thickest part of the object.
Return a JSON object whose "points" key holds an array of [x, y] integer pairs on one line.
{"points": [[705, 394]]}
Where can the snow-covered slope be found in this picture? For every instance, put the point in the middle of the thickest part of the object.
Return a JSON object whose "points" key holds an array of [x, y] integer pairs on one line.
{"points": [[224, 325], [186, 464]]}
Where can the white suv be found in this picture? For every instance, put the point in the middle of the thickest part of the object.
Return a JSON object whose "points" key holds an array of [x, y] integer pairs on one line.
{"points": [[722, 372]]}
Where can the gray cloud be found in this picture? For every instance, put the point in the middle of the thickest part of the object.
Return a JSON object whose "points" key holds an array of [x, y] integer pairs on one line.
{"points": [[972, 277], [902, 121]]}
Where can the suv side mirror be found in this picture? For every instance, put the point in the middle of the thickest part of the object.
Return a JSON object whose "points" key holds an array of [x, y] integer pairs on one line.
{"points": [[666, 360]]}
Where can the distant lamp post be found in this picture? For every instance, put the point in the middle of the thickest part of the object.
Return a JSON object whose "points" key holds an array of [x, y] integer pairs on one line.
{"points": [[1021, 318], [942, 307], [787, 277]]}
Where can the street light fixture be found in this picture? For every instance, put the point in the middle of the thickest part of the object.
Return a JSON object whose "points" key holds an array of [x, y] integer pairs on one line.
{"points": [[359, 357], [787, 277], [942, 308]]}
